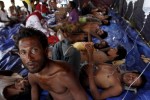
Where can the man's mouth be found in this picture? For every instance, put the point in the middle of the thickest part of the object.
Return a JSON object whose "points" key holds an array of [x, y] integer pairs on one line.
{"points": [[31, 64]]}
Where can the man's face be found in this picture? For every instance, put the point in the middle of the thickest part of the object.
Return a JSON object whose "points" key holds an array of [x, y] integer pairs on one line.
{"points": [[112, 52], [21, 84], [69, 5], [12, 1], [32, 54], [99, 31], [2, 5], [129, 78], [105, 22]]}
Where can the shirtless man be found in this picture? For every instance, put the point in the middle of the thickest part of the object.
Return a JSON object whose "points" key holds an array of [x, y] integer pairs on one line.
{"points": [[109, 78], [93, 28], [56, 77], [105, 55]]}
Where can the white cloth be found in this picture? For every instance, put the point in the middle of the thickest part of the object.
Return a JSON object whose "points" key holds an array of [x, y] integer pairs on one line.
{"points": [[33, 21], [7, 81], [3, 17], [12, 10]]}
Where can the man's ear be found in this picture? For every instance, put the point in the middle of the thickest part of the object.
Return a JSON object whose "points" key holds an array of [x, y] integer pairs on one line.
{"points": [[47, 52]]}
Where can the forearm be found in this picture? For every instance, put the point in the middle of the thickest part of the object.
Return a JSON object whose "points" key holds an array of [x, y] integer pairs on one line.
{"points": [[95, 35], [90, 72], [93, 88]]}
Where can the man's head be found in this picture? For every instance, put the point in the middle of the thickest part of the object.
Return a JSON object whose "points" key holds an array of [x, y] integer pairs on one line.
{"points": [[102, 34], [129, 77], [32, 45], [101, 45], [21, 84], [19, 89], [106, 22], [2, 5], [117, 53], [121, 52], [13, 2], [72, 4]]}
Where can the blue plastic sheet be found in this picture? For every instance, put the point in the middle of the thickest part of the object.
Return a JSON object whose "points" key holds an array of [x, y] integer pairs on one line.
{"points": [[9, 61], [119, 33]]}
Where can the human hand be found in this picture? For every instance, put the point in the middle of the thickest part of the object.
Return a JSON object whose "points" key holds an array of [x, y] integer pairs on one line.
{"points": [[145, 59], [89, 47]]}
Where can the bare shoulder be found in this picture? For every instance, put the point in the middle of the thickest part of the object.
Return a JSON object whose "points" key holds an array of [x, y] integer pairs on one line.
{"points": [[64, 66]]}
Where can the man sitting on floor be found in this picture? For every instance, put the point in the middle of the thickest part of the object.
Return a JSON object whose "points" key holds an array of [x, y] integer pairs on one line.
{"points": [[57, 77]]}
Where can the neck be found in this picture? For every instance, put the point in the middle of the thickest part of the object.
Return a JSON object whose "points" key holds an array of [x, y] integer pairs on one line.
{"points": [[45, 67], [110, 58]]}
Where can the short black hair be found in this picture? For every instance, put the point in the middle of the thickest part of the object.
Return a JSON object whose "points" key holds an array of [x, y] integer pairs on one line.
{"points": [[25, 95], [143, 78], [109, 18], [1, 3], [31, 32], [104, 35], [103, 23], [73, 4], [122, 52], [100, 46]]}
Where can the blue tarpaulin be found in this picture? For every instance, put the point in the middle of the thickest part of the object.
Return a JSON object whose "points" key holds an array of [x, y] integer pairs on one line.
{"points": [[119, 33]]}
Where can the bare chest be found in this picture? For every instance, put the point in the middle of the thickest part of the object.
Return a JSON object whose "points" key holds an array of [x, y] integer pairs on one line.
{"points": [[51, 84], [105, 78]]}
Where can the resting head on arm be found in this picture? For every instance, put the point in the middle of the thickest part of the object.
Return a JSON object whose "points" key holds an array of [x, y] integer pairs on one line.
{"points": [[13, 86]]}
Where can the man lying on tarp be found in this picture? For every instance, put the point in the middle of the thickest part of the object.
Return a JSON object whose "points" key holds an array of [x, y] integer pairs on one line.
{"points": [[13, 86], [108, 78]]}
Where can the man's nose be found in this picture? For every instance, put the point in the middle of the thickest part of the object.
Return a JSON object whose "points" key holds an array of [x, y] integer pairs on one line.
{"points": [[29, 56]]}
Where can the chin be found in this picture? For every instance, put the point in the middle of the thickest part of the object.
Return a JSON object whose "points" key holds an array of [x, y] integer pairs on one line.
{"points": [[33, 70]]}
